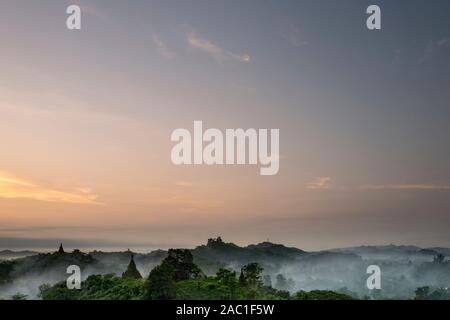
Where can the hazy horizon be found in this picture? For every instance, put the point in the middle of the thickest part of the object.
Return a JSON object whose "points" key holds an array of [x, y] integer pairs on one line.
{"points": [[87, 245]]}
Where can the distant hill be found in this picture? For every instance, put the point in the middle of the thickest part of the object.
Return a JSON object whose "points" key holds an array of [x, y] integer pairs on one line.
{"points": [[444, 251], [393, 252], [273, 249], [9, 254], [217, 253]]}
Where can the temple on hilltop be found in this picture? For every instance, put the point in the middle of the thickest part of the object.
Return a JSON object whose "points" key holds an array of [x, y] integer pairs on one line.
{"points": [[215, 241], [61, 249], [132, 271]]}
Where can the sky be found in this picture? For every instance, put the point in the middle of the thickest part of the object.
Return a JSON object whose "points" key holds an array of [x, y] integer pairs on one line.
{"points": [[86, 118]]}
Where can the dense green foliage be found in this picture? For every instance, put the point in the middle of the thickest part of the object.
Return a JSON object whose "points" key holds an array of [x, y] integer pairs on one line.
{"points": [[321, 295], [180, 263], [212, 288], [6, 269], [177, 277], [160, 284], [97, 287], [177, 266], [251, 275], [19, 296], [426, 293], [55, 262], [224, 285]]}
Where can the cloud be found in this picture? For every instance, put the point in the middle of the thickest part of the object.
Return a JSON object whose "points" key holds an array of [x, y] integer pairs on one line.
{"points": [[16, 188], [90, 9], [292, 34], [406, 187], [428, 53], [162, 49], [217, 53], [320, 183], [184, 184], [445, 42], [185, 203], [432, 48]]}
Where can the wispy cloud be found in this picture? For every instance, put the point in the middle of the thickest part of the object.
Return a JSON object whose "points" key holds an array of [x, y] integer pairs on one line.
{"points": [[320, 183], [162, 48], [16, 188], [432, 48], [406, 187], [184, 203], [184, 184], [216, 52], [292, 34], [89, 9], [445, 42], [428, 53]]}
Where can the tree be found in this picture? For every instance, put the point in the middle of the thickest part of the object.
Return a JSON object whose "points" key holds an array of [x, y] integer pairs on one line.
{"points": [[439, 258], [267, 280], [177, 266], [160, 284], [252, 274], [440, 294], [215, 242], [321, 295], [290, 284], [226, 276], [422, 293], [19, 296], [228, 279], [96, 287], [6, 269], [281, 282], [181, 264], [242, 280]]}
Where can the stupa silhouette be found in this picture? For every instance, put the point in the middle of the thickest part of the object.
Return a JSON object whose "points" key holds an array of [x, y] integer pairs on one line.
{"points": [[132, 271]]}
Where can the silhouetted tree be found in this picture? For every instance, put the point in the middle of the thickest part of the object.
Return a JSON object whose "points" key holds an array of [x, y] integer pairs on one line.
{"points": [[177, 266], [422, 293], [281, 282], [242, 280], [228, 279], [439, 258], [181, 264], [226, 276], [321, 295], [19, 296], [267, 280], [252, 274], [160, 284]]}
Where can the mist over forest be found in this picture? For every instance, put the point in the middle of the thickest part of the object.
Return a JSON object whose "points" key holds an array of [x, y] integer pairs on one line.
{"points": [[405, 270]]}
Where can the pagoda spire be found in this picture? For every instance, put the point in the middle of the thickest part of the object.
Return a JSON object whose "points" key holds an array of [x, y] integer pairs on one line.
{"points": [[61, 249], [132, 271]]}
